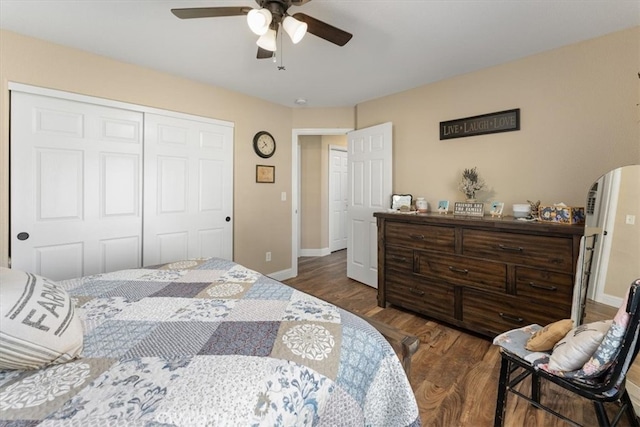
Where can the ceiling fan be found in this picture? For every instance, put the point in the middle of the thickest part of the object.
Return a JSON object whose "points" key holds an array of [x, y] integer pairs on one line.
{"points": [[266, 21]]}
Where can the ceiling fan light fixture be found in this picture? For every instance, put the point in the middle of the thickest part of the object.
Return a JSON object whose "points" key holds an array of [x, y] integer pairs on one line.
{"points": [[296, 29], [259, 20], [267, 41]]}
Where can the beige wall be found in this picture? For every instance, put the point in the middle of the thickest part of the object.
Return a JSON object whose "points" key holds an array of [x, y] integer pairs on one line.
{"points": [[328, 118], [579, 119], [261, 221], [311, 176]]}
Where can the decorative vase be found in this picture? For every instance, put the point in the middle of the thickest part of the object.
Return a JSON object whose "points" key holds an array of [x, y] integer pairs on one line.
{"points": [[421, 205]]}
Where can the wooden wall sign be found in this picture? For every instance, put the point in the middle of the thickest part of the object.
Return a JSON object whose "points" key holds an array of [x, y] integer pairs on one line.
{"points": [[502, 121], [468, 209]]}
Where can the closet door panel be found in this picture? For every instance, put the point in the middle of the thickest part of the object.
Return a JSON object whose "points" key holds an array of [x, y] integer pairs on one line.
{"points": [[76, 185], [120, 253], [80, 177], [188, 200]]}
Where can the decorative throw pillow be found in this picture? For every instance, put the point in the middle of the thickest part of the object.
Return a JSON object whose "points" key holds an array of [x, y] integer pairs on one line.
{"points": [[38, 322], [547, 337], [608, 349], [573, 351]]}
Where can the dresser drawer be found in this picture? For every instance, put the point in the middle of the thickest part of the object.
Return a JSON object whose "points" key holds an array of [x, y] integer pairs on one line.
{"points": [[399, 258], [544, 286], [418, 236], [495, 314], [459, 270], [420, 295], [555, 253]]}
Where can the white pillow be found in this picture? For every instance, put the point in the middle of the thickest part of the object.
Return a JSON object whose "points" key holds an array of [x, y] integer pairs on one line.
{"points": [[38, 322], [575, 349]]}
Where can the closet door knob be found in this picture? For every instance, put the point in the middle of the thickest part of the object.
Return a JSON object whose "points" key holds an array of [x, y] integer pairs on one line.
{"points": [[228, 219], [23, 236]]}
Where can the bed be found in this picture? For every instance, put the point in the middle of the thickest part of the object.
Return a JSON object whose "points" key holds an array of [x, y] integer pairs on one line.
{"points": [[210, 342]]}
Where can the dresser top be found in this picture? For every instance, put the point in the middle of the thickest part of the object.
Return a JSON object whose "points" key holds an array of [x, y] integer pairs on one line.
{"points": [[507, 223]]}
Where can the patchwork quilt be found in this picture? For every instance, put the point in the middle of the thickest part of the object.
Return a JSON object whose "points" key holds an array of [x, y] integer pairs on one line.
{"points": [[210, 342]]}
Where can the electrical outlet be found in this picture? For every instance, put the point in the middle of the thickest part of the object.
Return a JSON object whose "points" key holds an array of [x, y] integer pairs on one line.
{"points": [[268, 257], [631, 219]]}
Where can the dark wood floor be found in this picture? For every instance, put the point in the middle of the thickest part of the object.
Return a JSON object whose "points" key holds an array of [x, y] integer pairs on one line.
{"points": [[454, 374]]}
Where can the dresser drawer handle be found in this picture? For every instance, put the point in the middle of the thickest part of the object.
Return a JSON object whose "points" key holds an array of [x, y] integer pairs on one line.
{"points": [[417, 236], [546, 288], [416, 291], [512, 319], [511, 248], [458, 270], [398, 258]]}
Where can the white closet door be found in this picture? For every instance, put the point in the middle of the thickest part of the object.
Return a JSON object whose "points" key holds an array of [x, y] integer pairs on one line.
{"points": [[75, 187], [188, 197], [338, 199]]}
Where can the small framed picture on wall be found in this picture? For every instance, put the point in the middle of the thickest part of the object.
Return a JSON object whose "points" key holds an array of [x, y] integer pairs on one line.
{"points": [[265, 174]]}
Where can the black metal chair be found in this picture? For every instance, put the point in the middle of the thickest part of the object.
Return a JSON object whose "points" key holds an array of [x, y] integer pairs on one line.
{"points": [[609, 386]]}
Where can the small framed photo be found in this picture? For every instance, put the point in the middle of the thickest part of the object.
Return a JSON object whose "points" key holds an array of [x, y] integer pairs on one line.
{"points": [[496, 209], [400, 200], [265, 174], [443, 206]]}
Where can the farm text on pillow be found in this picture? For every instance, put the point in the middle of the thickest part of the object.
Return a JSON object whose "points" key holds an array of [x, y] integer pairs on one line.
{"points": [[38, 322]]}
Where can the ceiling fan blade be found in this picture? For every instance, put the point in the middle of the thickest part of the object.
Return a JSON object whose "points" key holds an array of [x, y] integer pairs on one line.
{"points": [[209, 12], [324, 30], [264, 53]]}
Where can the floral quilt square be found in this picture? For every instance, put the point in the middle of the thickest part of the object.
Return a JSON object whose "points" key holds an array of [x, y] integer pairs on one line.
{"points": [[313, 344]]}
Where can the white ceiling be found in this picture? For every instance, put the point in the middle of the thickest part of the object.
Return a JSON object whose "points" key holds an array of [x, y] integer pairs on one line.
{"points": [[396, 45]]}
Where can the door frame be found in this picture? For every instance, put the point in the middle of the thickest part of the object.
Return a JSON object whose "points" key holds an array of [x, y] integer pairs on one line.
{"points": [[295, 186]]}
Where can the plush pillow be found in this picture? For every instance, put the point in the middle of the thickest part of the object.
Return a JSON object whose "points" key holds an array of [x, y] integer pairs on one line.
{"points": [[38, 322], [608, 349], [547, 337], [580, 343]]}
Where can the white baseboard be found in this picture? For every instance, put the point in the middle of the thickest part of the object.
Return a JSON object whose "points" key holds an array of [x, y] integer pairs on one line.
{"points": [[281, 275], [314, 252], [609, 300]]}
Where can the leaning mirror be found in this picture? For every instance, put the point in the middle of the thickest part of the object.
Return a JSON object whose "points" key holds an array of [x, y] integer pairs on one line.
{"points": [[611, 255]]}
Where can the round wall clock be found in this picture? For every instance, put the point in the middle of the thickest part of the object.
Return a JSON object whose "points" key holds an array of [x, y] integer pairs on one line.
{"points": [[264, 144]]}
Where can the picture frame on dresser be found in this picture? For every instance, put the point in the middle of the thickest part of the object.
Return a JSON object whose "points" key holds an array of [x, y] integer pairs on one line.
{"points": [[496, 209], [443, 206]]}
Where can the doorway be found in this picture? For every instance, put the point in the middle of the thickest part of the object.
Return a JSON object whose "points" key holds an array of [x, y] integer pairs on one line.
{"points": [[296, 186]]}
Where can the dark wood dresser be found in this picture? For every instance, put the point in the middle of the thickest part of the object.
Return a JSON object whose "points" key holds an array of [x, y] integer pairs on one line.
{"points": [[483, 274]]}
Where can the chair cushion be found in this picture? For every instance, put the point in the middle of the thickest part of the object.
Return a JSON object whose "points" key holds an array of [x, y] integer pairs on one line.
{"points": [[580, 343], [547, 337], [39, 325], [514, 342]]}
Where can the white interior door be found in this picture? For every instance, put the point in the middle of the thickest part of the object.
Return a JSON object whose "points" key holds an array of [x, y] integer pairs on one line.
{"points": [[188, 197], [370, 186], [338, 198], [75, 187]]}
